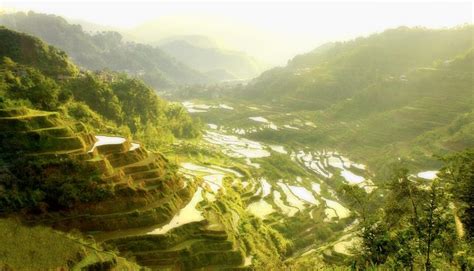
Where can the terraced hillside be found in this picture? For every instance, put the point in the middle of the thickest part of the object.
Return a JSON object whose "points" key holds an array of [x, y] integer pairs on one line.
{"points": [[266, 187], [303, 192], [143, 206], [137, 188], [295, 191], [134, 180], [56, 172]]}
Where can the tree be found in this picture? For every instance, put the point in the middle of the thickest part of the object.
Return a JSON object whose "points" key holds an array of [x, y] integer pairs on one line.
{"points": [[415, 230], [459, 173]]}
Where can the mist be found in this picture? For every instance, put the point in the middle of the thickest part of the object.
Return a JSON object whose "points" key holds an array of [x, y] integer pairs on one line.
{"points": [[271, 32]]}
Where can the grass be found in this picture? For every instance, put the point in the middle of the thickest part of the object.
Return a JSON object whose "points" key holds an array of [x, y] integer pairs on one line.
{"points": [[42, 248]]}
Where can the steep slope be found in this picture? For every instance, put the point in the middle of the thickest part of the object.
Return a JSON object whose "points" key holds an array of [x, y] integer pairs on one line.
{"points": [[27, 50], [56, 173], [105, 50], [207, 60], [101, 171]]}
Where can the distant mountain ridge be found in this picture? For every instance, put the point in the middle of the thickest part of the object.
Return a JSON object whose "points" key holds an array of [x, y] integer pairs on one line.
{"points": [[105, 50], [202, 54], [195, 40]]}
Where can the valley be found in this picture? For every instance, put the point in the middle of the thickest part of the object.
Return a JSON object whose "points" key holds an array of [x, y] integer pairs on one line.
{"points": [[285, 182], [356, 155]]}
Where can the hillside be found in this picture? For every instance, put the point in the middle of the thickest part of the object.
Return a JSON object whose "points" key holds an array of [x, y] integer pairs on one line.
{"points": [[67, 161], [237, 65], [105, 50]]}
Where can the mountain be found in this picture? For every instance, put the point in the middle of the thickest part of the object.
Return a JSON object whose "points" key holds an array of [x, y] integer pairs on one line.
{"points": [[207, 59], [196, 40], [337, 71], [105, 50], [382, 124], [426, 112], [46, 79]]}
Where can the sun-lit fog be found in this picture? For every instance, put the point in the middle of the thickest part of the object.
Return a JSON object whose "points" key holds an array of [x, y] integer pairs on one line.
{"points": [[270, 31]]}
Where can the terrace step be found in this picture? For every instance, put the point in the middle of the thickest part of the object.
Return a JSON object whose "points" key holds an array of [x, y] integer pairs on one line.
{"points": [[127, 157], [29, 122], [58, 153], [149, 174], [56, 131]]}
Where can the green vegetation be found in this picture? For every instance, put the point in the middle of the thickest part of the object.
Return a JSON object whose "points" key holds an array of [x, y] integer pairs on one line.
{"points": [[42, 185], [291, 199], [340, 70], [458, 173], [280, 166], [400, 97], [51, 171], [419, 224], [42, 248]]}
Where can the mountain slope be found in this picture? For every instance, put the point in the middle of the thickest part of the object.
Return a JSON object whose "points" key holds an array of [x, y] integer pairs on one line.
{"points": [[55, 171], [44, 77], [105, 50], [393, 94], [415, 116], [337, 71]]}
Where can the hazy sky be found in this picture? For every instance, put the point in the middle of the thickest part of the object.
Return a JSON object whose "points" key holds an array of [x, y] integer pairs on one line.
{"points": [[271, 30]]}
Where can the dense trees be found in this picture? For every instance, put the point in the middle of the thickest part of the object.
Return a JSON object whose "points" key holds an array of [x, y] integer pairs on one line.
{"points": [[417, 225], [26, 83], [458, 172], [38, 185]]}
